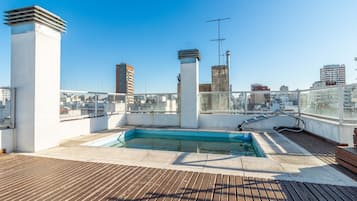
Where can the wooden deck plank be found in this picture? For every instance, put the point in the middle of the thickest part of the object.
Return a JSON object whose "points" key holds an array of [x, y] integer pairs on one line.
{"points": [[338, 192], [225, 188], [352, 190], [232, 193], [314, 191], [254, 189], [165, 190], [55, 179], [127, 181], [196, 187], [304, 192], [248, 195], [43, 188], [33, 180], [347, 193], [145, 192], [204, 188], [85, 180], [174, 186], [269, 190], [289, 189], [261, 189], [240, 188], [322, 149], [332, 195], [183, 185], [162, 186], [210, 189]]}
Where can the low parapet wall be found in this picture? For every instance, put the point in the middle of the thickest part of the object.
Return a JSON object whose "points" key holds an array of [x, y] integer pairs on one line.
{"points": [[73, 128], [7, 140], [208, 121], [153, 119], [341, 133], [231, 121]]}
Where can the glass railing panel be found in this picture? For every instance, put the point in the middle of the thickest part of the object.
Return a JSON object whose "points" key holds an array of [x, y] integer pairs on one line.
{"points": [[218, 102], [272, 101], [5, 108], [350, 102], [77, 104], [152, 103], [248, 102], [115, 104], [320, 102], [100, 104]]}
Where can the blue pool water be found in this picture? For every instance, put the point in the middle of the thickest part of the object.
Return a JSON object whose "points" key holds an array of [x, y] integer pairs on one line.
{"points": [[189, 141]]}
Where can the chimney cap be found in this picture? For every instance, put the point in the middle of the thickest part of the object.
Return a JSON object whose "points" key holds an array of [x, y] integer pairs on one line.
{"points": [[189, 53], [35, 14]]}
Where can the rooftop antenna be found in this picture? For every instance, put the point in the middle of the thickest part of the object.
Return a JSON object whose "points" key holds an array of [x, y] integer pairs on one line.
{"points": [[219, 39]]}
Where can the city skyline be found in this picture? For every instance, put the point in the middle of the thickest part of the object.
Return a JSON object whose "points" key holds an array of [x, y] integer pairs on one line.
{"points": [[274, 43]]}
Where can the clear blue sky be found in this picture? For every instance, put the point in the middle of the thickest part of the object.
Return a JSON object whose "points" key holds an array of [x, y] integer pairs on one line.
{"points": [[272, 42]]}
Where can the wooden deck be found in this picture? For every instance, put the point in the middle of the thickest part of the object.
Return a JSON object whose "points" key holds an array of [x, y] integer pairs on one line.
{"points": [[35, 178], [320, 148]]}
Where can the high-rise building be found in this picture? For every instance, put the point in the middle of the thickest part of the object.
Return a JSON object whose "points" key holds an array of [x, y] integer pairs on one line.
{"points": [[333, 74], [124, 79]]}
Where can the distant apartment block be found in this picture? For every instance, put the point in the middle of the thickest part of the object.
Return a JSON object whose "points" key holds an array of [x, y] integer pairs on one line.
{"points": [[124, 78], [284, 88], [259, 99], [206, 87], [333, 74], [318, 84]]}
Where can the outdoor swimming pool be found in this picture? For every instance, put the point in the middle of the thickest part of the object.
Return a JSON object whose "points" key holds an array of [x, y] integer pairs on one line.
{"points": [[185, 141]]}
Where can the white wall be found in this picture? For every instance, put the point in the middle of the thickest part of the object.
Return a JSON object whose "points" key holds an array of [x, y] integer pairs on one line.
{"points": [[189, 94], [231, 121], [152, 119], [74, 128], [346, 133], [332, 130], [47, 86], [207, 121], [6, 139], [23, 79], [35, 73]]}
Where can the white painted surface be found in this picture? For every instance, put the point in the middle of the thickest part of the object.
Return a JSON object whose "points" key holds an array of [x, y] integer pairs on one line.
{"points": [[152, 119], [332, 130], [231, 121], [6, 140], [35, 73], [74, 128], [189, 95]]}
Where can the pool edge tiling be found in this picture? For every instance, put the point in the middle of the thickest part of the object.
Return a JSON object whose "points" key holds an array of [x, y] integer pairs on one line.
{"points": [[237, 143], [284, 159]]}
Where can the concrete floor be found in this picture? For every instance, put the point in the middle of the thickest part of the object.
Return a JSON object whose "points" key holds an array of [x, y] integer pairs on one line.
{"points": [[284, 159]]}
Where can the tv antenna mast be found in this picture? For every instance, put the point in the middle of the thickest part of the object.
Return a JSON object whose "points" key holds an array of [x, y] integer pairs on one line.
{"points": [[219, 39]]}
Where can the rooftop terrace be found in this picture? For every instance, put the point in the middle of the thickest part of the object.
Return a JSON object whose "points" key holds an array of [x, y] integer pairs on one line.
{"points": [[37, 178], [52, 131]]}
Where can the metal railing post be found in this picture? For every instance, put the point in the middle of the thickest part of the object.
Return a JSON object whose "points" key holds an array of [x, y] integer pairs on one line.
{"points": [[12, 107], [245, 103], [341, 93], [298, 102], [96, 105], [125, 103]]}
